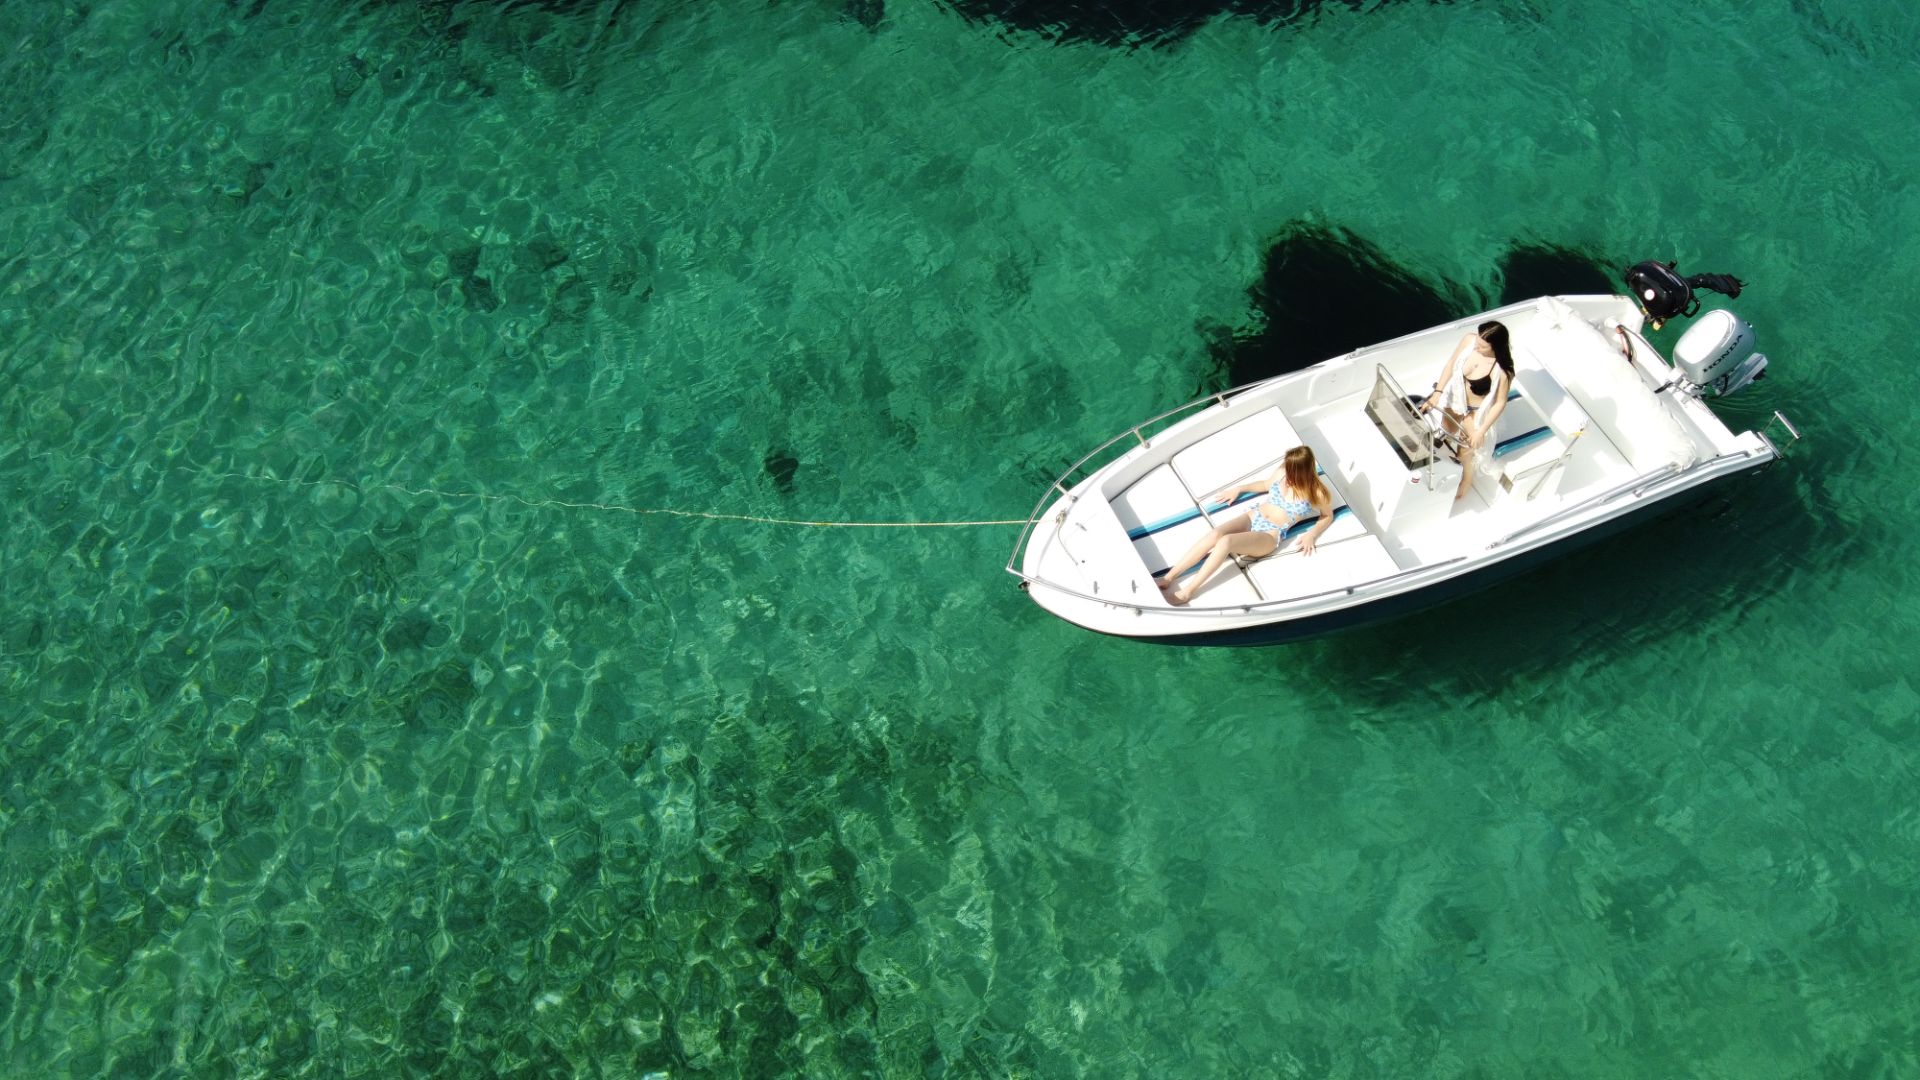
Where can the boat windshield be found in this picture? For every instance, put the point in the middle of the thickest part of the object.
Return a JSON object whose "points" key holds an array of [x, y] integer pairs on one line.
{"points": [[1396, 418]]}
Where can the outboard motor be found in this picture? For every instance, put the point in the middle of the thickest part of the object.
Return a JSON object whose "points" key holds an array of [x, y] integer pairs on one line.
{"points": [[1662, 293], [1716, 355]]}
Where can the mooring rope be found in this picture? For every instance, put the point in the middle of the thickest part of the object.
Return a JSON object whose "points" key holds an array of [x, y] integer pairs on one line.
{"points": [[708, 515], [566, 504]]}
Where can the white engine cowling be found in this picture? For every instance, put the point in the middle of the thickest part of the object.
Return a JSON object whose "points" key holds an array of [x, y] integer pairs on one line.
{"points": [[1716, 353]]}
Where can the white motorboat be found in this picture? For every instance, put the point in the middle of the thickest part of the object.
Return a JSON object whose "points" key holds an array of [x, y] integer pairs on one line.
{"points": [[1600, 431]]}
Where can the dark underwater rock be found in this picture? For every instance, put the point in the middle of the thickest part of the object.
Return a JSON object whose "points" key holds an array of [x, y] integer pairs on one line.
{"points": [[1530, 270], [350, 76], [463, 262], [1324, 292], [573, 299], [542, 253], [1134, 23], [781, 466], [480, 295]]}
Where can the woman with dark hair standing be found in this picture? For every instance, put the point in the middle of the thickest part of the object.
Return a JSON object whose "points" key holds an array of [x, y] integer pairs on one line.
{"points": [[1471, 393]]}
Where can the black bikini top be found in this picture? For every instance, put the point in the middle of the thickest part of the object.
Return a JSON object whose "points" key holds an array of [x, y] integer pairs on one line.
{"points": [[1481, 385]]}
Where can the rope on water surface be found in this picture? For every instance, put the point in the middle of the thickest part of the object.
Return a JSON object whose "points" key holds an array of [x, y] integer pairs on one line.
{"points": [[639, 511]]}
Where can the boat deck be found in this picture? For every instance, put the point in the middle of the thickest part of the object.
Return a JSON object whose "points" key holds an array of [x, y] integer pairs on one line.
{"points": [[1550, 450], [1547, 451]]}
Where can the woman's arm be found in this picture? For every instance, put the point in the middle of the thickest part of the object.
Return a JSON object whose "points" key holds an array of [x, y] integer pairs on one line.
{"points": [[1447, 372], [1323, 505], [1229, 494]]}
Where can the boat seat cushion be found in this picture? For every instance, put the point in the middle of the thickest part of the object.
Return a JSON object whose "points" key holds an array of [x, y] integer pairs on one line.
{"points": [[1160, 542], [1334, 564], [1250, 447], [1528, 435], [1549, 401], [1342, 557], [1245, 452], [1160, 518], [1607, 388]]}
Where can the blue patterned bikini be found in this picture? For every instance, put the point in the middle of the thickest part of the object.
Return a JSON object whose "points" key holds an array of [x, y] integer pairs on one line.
{"points": [[1294, 510]]}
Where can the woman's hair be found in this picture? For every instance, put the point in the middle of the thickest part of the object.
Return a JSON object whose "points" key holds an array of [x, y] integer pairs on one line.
{"points": [[1495, 335], [1303, 474]]}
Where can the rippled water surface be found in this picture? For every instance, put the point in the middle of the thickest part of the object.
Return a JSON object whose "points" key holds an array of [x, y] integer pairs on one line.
{"points": [[358, 717]]}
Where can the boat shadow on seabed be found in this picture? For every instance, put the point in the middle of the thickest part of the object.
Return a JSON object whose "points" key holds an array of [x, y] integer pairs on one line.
{"points": [[1323, 291]]}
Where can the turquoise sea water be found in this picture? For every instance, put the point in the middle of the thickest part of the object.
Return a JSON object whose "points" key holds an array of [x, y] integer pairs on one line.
{"points": [[356, 722]]}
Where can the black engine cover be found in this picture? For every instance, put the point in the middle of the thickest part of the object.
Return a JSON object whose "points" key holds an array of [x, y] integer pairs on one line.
{"points": [[1660, 291]]}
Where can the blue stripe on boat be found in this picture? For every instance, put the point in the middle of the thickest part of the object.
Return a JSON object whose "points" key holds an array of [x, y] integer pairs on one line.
{"points": [[1507, 446], [1143, 531]]}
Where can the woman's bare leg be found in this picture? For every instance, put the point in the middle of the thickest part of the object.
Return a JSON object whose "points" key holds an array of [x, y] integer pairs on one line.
{"points": [[1239, 523], [1466, 471], [1245, 543]]}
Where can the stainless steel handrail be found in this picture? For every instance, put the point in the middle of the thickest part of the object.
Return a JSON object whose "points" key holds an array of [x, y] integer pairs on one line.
{"points": [[1634, 486], [1641, 338], [1598, 500], [1060, 483], [1781, 418]]}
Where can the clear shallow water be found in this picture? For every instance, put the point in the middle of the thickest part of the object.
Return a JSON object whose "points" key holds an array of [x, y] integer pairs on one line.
{"points": [[310, 769]]}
